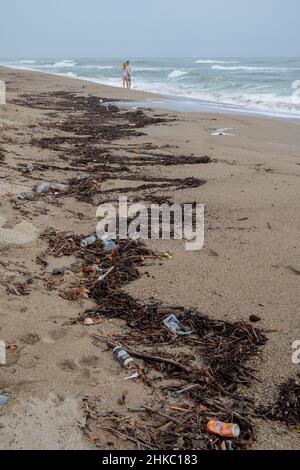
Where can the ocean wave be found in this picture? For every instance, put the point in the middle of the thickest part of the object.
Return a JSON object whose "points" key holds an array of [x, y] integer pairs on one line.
{"points": [[98, 67], [64, 63], [248, 68], [177, 74], [149, 69], [105, 67], [211, 61], [26, 61], [296, 85], [273, 93], [266, 103]]}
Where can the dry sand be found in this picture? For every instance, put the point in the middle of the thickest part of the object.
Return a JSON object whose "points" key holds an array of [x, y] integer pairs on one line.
{"points": [[251, 243]]}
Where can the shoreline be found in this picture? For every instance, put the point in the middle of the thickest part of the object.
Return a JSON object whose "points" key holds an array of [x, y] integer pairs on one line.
{"points": [[248, 265], [173, 103]]}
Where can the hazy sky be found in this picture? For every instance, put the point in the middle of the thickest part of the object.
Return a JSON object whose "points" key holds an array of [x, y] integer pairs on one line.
{"points": [[136, 28]]}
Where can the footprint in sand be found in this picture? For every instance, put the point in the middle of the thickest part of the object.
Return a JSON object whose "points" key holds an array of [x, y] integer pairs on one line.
{"points": [[91, 361], [30, 339], [56, 335], [28, 361], [68, 365]]}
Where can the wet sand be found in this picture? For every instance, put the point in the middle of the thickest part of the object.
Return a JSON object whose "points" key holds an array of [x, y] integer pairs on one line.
{"points": [[249, 264]]}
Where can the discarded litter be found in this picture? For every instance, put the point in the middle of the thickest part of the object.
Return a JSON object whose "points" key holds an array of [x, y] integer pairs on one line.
{"points": [[229, 445], [134, 376], [82, 177], [123, 357], [2, 353], [103, 276], [41, 188], [59, 187], [175, 326], [223, 429], [4, 398], [36, 130], [89, 241], [28, 169], [109, 246], [223, 131], [23, 197], [88, 321]]}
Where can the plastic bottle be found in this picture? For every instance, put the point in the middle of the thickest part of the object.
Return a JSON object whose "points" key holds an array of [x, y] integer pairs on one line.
{"points": [[41, 188], [109, 245], [89, 241], [123, 357]]}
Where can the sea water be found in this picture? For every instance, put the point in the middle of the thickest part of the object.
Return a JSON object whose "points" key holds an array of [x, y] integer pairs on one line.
{"points": [[269, 86]]}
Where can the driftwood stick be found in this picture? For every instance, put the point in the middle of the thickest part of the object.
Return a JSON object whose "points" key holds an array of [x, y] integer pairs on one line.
{"points": [[148, 357], [128, 438], [189, 389], [163, 415]]}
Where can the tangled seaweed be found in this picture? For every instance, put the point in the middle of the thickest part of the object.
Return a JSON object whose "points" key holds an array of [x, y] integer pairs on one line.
{"points": [[210, 386]]}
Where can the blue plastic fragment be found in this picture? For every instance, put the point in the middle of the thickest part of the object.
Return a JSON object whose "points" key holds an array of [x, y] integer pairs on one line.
{"points": [[4, 398]]}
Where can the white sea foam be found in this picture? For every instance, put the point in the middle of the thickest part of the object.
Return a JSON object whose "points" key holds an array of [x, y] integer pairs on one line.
{"points": [[268, 103], [177, 74], [98, 67], [64, 63], [211, 61], [272, 93], [149, 69], [105, 67], [296, 85], [69, 74], [248, 68], [26, 62]]}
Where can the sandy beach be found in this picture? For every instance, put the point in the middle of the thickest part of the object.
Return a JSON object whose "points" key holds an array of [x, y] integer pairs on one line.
{"points": [[248, 266]]}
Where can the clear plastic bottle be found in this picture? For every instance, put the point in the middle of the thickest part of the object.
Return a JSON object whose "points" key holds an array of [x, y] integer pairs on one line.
{"points": [[89, 241], [109, 246]]}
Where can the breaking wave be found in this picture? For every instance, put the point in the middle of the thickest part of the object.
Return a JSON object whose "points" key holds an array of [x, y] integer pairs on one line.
{"points": [[270, 86], [177, 73], [64, 63], [211, 61], [249, 68]]}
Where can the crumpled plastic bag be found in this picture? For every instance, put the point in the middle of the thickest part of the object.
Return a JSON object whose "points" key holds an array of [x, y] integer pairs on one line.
{"points": [[173, 324]]}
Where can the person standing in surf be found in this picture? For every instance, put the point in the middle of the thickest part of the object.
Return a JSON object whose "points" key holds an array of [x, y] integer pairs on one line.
{"points": [[128, 73], [125, 75]]}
